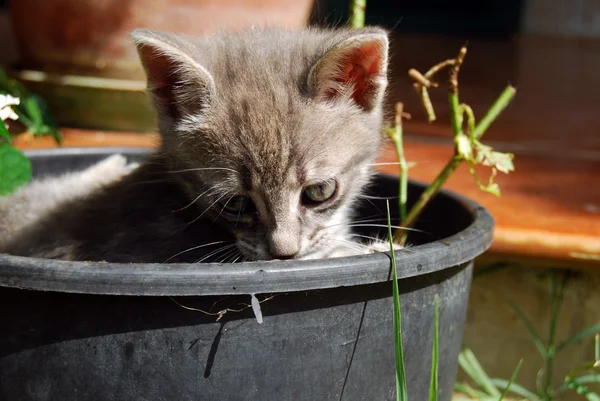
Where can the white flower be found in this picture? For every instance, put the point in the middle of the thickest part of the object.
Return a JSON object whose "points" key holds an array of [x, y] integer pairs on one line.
{"points": [[5, 110]]}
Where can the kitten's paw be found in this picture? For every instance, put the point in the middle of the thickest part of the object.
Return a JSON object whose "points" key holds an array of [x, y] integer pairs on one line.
{"points": [[109, 170]]}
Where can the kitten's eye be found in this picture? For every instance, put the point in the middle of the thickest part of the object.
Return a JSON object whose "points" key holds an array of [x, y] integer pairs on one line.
{"points": [[239, 204], [319, 192]]}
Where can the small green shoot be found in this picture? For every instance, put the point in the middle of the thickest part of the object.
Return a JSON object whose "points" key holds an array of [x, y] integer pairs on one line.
{"points": [[435, 352], [401, 391]]}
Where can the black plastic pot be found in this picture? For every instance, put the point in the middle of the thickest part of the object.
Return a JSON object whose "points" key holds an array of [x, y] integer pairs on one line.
{"points": [[101, 331]]}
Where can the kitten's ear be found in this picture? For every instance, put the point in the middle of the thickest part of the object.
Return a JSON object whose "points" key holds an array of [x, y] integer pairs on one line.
{"points": [[355, 68], [177, 84]]}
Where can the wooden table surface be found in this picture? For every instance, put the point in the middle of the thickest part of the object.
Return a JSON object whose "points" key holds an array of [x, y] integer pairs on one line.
{"points": [[549, 211]]}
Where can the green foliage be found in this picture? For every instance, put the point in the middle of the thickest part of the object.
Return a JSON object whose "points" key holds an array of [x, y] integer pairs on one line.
{"points": [[15, 168], [576, 380], [33, 113]]}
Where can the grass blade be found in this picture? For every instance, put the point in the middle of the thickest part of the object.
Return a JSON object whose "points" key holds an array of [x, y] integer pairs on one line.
{"points": [[556, 299], [511, 381], [470, 391], [471, 366], [579, 336], [433, 384], [516, 389], [401, 391], [529, 326]]}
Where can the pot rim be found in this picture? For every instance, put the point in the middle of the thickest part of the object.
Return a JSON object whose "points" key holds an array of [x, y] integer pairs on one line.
{"points": [[189, 279]]}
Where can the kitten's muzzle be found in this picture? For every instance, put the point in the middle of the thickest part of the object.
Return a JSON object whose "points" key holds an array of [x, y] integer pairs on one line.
{"points": [[283, 245]]}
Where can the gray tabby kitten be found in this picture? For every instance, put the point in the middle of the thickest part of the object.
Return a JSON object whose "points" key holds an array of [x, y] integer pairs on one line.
{"points": [[267, 141]]}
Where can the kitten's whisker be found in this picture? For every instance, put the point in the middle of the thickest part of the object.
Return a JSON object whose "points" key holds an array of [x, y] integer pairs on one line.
{"points": [[377, 197], [202, 169], [398, 227], [192, 202], [351, 244], [223, 207], [366, 237], [151, 181], [237, 256], [365, 220], [207, 209], [368, 200], [384, 164], [194, 248], [215, 252], [227, 255]]}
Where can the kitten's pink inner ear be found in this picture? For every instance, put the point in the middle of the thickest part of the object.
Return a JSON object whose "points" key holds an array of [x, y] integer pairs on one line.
{"points": [[360, 68]]}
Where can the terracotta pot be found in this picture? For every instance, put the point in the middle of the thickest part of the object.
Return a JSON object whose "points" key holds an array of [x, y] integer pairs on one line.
{"points": [[78, 55], [91, 37]]}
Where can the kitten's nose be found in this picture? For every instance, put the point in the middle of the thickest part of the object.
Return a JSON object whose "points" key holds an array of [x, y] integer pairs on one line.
{"points": [[283, 245]]}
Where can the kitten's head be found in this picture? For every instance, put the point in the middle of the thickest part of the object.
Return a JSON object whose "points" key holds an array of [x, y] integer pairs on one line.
{"points": [[280, 128]]}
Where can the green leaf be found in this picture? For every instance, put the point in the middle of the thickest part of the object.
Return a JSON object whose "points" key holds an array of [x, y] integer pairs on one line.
{"points": [[511, 381], [4, 134], [433, 383], [579, 336], [30, 104], [401, 390], [15, 169], [516, 389], [529, 326], [489, 157]]}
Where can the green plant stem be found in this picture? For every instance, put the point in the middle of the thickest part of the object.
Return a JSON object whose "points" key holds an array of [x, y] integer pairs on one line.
{"points": [[499, 105], [430, 192], [357, 13], [396, 135], [455, 113], [556, 297]]}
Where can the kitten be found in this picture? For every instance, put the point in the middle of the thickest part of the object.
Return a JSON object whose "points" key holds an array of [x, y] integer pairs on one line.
{"points": [[31, 203], [267, 140]]}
